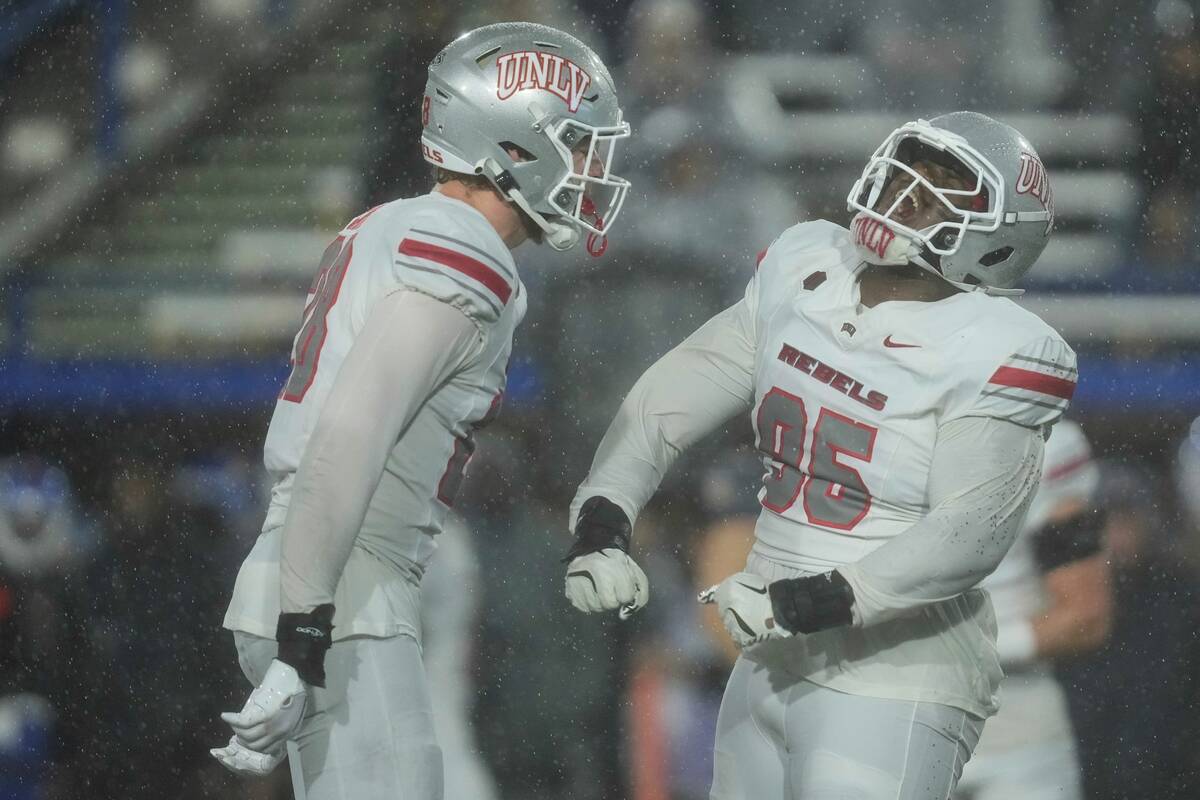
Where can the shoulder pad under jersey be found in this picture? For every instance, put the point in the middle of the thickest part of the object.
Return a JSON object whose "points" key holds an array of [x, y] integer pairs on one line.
{"points": [[450, 252]]}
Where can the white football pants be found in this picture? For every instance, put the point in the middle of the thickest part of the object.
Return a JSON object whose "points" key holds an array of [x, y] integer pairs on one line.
{"points": [[806, 742], [369, 735]]}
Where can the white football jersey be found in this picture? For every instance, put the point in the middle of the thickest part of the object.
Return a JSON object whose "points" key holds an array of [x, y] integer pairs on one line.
{"points": [[443, 248], [848, 403]]}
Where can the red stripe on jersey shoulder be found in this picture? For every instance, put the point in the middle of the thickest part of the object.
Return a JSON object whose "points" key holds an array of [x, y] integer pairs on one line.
{"points": [[758, 258], [1034, 381], [460, 262], [1069, 468]]}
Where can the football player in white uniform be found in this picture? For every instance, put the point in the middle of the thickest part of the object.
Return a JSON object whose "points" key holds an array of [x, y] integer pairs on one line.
{"points": [[900, 402], [402, 354], [1053, 599]]}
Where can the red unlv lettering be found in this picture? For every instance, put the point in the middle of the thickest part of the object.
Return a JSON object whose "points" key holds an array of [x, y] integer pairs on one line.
{"points": [[529, 69], [872, 234]]}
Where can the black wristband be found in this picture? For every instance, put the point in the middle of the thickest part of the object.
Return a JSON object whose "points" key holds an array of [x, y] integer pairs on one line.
{"points": [[811, 604], [303, 640], [602, 524]]}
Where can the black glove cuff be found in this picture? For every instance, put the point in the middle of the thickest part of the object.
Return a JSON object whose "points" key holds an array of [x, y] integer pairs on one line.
{"points": [[303, 640], [602, 524], [815, 603]]}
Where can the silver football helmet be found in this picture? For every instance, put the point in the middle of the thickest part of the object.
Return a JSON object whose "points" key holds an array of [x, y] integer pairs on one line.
{"points": [[546, 95], [989, 244]]}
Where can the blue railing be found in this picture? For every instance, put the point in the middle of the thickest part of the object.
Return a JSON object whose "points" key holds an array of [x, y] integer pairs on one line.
{"points": [[1159, 383]]}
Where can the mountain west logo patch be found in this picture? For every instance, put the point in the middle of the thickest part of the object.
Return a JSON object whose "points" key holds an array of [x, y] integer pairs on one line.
{"points": [[530, 69]]}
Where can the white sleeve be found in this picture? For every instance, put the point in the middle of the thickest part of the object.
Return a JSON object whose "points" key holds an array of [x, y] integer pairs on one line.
{"points": [[380, 387], [984, 474], [686, 394]]}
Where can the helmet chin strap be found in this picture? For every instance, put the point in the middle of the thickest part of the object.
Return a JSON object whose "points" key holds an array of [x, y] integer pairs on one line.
{"points": [[901, 249], [559, 235]]}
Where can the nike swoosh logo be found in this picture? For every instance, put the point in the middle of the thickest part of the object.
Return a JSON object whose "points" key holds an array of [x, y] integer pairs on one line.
{"points": [[584, 574], [754, 589], [889, 343], [742, 624]]}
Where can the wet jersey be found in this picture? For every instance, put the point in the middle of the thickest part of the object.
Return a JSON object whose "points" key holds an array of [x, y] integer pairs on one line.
{"points": [[848, 404], [447, 250]]}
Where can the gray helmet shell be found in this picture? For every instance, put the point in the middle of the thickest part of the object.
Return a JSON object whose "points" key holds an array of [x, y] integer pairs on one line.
{"points": [[542, 91], [988, 247]]}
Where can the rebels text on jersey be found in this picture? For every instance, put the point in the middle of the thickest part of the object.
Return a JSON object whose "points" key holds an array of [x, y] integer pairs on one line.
{"points": [[849, 399]]}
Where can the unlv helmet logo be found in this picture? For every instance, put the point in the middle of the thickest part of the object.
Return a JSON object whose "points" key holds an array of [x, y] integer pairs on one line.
{"points": [[1032, 180], [530, 69]]}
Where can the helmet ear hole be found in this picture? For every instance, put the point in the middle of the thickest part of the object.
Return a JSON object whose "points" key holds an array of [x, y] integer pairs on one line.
{"points": [[522, 153], [995, 257]]}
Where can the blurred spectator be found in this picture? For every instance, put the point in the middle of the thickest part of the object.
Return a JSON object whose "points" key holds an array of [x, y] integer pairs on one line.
{"points": [[795, 28], [1134, 701], [156, 680], [1169, 117], [671, 60], [1106, 42], [682, 663], [549, 684], [42, 545], [450, 595], [963, 55]]}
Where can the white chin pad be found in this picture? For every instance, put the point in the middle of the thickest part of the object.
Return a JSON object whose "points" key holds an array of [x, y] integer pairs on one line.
{"points": [[562, 236], [878, 243]]}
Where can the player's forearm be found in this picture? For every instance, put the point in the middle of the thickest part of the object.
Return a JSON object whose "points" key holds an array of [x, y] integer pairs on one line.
{"points": [[685, 395], [406, 349], [983, 476]]}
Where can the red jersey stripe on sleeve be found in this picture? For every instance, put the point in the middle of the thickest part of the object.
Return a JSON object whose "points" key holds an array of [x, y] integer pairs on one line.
{"points": [[758, 258], [472, 268], [1034, 381], [1069, 468]]}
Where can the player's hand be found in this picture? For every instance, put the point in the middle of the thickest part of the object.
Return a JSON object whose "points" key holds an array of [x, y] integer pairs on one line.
{"points": [[600, 574], [273, 713], [744, 604], [607, 580], [241, 760]]}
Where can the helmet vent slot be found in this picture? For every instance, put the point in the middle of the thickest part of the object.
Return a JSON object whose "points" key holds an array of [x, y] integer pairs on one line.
{"points": [[486, 54], [522, 153], [441, 95], [995, 257], [547, 44]]}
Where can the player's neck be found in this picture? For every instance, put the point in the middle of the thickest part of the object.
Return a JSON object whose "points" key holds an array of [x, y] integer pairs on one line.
{"points": [[878, 284], [502, 215]]}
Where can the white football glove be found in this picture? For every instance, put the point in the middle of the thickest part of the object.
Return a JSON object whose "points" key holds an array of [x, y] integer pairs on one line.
{"points": [[607, 580], [273, 713], [241, 760], [744, 605]]}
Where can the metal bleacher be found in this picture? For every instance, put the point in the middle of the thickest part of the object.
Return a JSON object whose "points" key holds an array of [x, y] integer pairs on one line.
{"points": [[193, 266], [804, 110]]}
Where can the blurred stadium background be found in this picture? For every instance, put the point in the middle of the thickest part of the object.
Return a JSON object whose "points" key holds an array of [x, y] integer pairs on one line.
{"points": [[172, 172]]}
